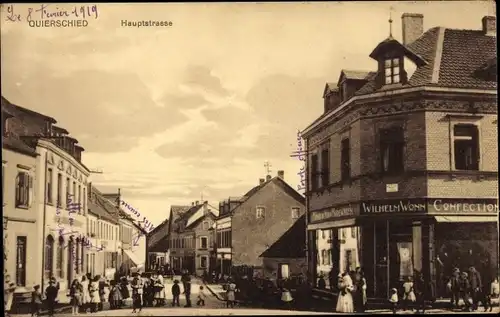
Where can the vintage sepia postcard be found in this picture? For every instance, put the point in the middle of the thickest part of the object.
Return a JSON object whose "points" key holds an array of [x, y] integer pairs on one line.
{"points": [[271, 158]]}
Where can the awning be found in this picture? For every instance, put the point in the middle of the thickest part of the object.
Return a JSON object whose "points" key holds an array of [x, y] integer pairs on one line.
{"points": [[133, 258], [453, 218], [333, 224]]}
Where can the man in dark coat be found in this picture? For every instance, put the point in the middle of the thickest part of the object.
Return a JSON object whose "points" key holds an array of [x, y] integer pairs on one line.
{"points": [[476, 287], [455, 287], [186, 282]]}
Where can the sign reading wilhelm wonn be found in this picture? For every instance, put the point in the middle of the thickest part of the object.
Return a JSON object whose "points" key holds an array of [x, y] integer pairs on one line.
{"points": [[399, 206]]}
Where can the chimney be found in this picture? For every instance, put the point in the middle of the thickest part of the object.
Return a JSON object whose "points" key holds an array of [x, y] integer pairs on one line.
{"points": [[268, 177], [489, 25], [281, 174], [413, 27], [192, 204], [197, 203], [261, 181]]}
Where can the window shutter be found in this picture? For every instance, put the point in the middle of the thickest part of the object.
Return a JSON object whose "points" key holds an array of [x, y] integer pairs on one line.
{"points": [[30, 189]]}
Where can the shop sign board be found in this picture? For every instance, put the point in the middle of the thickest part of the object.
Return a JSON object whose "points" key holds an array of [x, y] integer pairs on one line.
{"points": [[334, 212], [462, 206], [398, 206]]}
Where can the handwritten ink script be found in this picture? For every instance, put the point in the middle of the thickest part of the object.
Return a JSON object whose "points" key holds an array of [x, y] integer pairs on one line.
{"points": [[73, 208], [148, 226], [135, 240], [300, 153], [52, 15]]}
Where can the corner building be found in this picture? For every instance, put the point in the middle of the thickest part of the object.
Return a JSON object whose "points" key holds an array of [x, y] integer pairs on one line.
{"points": [[407, 154]]}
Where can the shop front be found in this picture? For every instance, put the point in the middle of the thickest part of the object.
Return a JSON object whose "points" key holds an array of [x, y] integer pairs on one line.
{"points": [[392, 240], [333, 244]]}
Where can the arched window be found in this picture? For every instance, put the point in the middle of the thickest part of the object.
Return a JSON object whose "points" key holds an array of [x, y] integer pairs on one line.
{"points": [[59, 257], [49, 256]]}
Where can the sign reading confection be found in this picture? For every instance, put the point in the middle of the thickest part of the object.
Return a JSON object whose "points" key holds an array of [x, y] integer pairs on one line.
{"points": [[462, 206]]}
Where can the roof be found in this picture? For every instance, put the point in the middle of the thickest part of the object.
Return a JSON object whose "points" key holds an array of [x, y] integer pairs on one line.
{"points": [[17, 145], [100, 211], [329, 88], [276, 180], [287, 245], [5, 101], [354, 74], [59, 129], [453, 57]]}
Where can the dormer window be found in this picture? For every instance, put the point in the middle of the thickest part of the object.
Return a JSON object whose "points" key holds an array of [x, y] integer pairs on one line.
{"points": [[392, 71], [48, 128]]}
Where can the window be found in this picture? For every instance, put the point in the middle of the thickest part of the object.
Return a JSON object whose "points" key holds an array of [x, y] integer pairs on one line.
{"points": [[77, 256], [59, 190], [295, 212], [205, 225], [21, 261], [49, 186], [345, 160], [353, 232], [392, 150], [203, 262], [329, 257], [350, 259], [59, 257], [466, 144], [323, 234], [314, 172], [325, 167], [74, 197], [68, 192], [283, 271], [204, 242], [49, 256], [23, 186], [84, 212], [344, 234], [260, 212], [48, 128], [392, 71], [79, 199]]}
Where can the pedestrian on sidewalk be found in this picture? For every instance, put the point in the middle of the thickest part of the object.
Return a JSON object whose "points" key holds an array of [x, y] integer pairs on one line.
{"points": [[159, 288], [465, 291], [137, 291], [476, 287], [393, 299], [453, 287], [115, 296], [409, 297], [345, 302], [186, 281], [51, 296], [75, 294], [230, 294], [85, 293], [201, 297], [36, 301], [176, 292], [8, 293], [95, 298], [359, 294]]}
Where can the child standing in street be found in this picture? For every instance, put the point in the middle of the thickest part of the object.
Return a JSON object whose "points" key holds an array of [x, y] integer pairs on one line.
{"points": [[36, 301], [393, 299], [409, 297], [176, 293], [286, 297], [201, 297]]}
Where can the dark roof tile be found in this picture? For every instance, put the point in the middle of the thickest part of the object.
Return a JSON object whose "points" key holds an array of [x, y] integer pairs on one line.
{"points": [[292, 244]]}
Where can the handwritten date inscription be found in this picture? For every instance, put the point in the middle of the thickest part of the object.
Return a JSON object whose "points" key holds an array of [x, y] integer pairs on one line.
{"points": [[51, 12]]}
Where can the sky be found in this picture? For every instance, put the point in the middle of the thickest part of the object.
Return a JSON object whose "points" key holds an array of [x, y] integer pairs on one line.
{"points": [[172, 115]]}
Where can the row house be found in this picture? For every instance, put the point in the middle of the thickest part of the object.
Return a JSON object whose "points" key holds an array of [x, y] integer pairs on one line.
{"points": [[50, 199], [407, 155], [248, 226], [158, 252], [190, 237], [103, 232]]}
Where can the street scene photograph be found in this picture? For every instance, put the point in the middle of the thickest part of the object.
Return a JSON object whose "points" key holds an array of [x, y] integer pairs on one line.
{"points": [[270, 158]]}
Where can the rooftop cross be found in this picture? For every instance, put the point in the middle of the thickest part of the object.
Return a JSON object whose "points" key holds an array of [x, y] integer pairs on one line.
{"points": [[267, 165], [390, 21]]}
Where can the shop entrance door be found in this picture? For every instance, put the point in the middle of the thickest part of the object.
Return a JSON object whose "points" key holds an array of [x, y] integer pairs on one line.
{"points": [[381, 271]]}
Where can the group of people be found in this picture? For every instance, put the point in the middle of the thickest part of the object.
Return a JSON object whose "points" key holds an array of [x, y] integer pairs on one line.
{"points": [[468, 286], [352, 292]]}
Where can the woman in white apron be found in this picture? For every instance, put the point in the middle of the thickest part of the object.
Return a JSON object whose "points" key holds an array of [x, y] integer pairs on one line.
{"points": [[95, 298], [8, 293], [85, 293], [159, 291], [345, 303]]}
